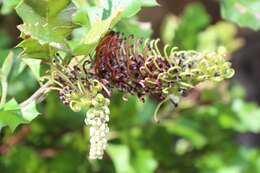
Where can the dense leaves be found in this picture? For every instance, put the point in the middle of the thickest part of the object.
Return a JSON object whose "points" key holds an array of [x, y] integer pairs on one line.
{"points": [[199, 136], [46, 21], [96, 20], [47, 24]]}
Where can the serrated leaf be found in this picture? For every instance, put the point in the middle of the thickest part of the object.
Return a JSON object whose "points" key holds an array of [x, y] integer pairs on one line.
{"points": [[11, 105], [90, 40], [11, 119], [46, 21], [98, 20], [10, 115], [120, 155], [245, 13], [34, 50]]}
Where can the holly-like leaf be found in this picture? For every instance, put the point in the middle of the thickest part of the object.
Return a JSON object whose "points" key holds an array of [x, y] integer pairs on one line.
{"points": [[245, 13], [97, 20], [11, 119], [12, 115], [34, 50], [87, 44], [46, 21]]}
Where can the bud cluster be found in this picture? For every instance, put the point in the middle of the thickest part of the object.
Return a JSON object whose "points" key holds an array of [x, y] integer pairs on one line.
{"points": [[97, 118]]}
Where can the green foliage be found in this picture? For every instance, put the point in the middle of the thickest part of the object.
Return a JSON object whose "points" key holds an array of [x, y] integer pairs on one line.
{"points": [[134, 27], [197, 36], [11, 115], [34, 50], [95, 21], [9, 5], [222, 33], [47, 25], [199, 136], [143, 160], [120, 155], [34, 65], [247, 123], [245, 13], [178, 28], [46, 21]]}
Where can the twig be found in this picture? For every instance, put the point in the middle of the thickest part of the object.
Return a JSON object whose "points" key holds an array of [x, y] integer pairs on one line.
{"points": [[38, 94]]}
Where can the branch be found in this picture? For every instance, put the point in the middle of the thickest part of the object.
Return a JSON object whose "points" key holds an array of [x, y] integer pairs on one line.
{"points": [[38, 94]]}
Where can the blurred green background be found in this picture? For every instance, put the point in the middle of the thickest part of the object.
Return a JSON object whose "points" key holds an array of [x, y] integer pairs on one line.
{"points": [[215, 129]]}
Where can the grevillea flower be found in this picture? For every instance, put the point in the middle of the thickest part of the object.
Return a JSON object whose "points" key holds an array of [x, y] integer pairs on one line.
{"points": [[78, 90], [133, 66], [138, 67]]}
